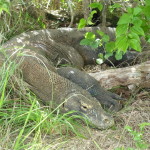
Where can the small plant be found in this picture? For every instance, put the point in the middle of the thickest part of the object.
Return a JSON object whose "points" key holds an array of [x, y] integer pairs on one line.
{"points": [[131, 26], [137, 137], [4, 6]]}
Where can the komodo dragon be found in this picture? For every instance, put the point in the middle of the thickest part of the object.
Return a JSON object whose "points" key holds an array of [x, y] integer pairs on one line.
{"points": [[40, 52]]}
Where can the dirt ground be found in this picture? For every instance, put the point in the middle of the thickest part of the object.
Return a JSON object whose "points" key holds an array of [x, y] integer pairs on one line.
{"points": [[110, 139]]}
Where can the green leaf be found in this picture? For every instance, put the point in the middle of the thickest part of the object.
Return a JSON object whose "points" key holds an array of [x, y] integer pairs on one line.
{"points": [[136, 11], [89, 20], [82, 23], [4, 6], [90, 42], [107, 55], [110, 47], [133, 43], [118, 55], [137, 21], [100, 55], [85, 42], [143, 125], [90, 35], [125, 19], [146, 11], [122, 43], [133, 35], [147, 2], [96, 5], [138, 30], [148, 40], [116, 5], [94, 44], [100, 33], [112, 7], [128, 128], [130, 10], [93, 12], [121, 29], [105, 38]]}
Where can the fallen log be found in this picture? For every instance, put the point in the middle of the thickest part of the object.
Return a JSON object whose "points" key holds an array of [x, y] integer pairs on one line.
{"points": [[138, 75]]}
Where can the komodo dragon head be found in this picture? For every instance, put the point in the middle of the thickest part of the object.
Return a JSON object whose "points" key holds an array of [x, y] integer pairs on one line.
{"points": [[90, 109]]}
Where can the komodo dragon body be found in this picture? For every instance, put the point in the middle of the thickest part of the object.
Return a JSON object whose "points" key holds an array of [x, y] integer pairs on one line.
{"points": [[39, 52]]}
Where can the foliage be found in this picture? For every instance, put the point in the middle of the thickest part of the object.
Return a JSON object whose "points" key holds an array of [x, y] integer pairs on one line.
{"points": [[131, 26], [83, 22], [4, 6], [26, 119], [16, 19], [137, 137]]}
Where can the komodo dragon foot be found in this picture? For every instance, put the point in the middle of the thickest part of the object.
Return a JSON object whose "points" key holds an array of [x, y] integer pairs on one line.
{"points": [[107, 99]]}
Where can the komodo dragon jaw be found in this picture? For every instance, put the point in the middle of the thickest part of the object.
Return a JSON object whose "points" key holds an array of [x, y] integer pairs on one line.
{"points": [[90, 109]]}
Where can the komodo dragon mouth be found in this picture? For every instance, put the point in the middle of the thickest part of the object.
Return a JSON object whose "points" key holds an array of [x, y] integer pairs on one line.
{"points": [[38, 68]]}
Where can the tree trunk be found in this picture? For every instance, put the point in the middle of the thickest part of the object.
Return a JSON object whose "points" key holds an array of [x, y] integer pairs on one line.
{"points": [[86, 9], [71, 13]]}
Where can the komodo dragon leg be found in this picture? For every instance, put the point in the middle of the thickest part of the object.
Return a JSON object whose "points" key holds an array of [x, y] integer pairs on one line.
{"points": [[106, 98]]}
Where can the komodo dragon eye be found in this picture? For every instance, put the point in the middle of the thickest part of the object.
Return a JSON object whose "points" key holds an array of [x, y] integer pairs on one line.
{"points": [[85, 106]]}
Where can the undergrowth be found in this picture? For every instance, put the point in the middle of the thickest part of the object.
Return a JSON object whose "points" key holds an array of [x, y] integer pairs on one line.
{"points": [[17, 19], [137, 137]]}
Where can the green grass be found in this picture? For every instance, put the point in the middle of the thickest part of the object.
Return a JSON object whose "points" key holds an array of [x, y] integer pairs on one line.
{"points": [[30, 120], [17, 19]]}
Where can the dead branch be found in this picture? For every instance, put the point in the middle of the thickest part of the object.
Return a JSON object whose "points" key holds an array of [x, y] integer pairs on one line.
{"points": [[138, 75]]}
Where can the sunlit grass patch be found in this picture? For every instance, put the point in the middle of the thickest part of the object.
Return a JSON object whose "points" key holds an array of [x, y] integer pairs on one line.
{"points": [[28, 119]]}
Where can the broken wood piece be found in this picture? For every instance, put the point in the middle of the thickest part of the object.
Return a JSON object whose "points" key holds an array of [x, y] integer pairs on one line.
{"points": [[138, 75]]}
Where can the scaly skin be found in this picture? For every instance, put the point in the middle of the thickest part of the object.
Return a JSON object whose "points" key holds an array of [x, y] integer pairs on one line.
{"points": [[38, 52]]}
